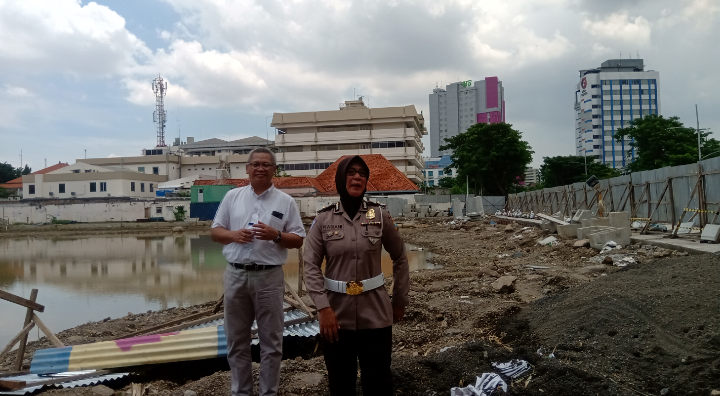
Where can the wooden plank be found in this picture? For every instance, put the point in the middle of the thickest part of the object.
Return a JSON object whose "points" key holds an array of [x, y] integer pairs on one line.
{"points": [[49, 334], [21, 301], [13, 373], [16, 339], [291, 322], [297, 298], [166, 324], [550, 218], [189, 324], [23, 342], [11, 385], [219, 304]]}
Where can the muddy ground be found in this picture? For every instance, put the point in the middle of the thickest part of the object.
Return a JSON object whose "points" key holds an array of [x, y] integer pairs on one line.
{"points": [[650, 328]]}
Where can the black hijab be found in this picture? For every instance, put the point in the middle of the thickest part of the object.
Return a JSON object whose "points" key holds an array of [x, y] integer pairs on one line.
{"points": [[350, 204]]}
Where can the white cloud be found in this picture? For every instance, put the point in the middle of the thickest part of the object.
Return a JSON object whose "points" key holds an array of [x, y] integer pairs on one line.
{"points": [[621, 27], [18, 92], [64, 36]]}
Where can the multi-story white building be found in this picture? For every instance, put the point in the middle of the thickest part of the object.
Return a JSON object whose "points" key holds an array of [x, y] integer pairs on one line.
{"points": [[83, 180], [532, 176], [435, 170], [607, 99], [310, 142], [463, 104]]}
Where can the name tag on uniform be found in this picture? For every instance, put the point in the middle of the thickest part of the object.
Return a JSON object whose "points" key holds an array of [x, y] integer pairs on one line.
{"points": [[277, 214], [330, 230]]}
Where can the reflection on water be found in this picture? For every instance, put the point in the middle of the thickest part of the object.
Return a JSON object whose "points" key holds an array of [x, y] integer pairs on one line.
{"points": [[88, 279]]}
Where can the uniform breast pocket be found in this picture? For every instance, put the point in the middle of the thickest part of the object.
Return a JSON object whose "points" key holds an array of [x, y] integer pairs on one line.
{"points": [[333, 240], [373, 239]]}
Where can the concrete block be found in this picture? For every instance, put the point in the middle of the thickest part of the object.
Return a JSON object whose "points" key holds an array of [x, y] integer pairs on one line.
{"points": [[583, 232], [457, 207], [711, 232], [407, 208], [423, 209], [619, 219], [411, 214], [568, 231], [601, 221], [548, 226], [421, 215], [619, 235], [586, 222], [582, 214]]}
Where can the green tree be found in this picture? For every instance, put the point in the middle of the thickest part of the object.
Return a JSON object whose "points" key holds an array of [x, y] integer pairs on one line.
{"points": [[493, 156], [661, 142], [7, 172], [4, 192], [564, 170]]}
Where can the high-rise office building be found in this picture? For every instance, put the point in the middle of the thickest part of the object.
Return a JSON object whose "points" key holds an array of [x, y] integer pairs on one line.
{"points": [[607, 99], [462, 104]]}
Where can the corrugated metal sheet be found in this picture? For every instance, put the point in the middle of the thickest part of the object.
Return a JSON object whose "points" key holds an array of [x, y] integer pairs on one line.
{"points": [[307, 329], [199, 342], [210, 193], [30, 378]]}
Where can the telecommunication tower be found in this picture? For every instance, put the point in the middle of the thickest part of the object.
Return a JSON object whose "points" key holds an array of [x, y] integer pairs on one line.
{"points": [[159, 86]]}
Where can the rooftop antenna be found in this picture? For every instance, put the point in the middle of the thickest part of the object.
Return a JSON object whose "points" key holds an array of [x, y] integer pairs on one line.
{"points": [[159, 86]]}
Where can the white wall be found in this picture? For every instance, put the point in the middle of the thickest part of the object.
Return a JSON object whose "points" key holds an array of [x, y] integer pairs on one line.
{"points": [[81, 188], [34, 213]]}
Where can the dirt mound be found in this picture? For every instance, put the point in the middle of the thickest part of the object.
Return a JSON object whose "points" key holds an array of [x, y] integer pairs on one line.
{"points": [[647, 328]]}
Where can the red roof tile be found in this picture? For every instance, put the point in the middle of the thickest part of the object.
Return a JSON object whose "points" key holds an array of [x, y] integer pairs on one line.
{"points": [[384, 176], [17, 183]]}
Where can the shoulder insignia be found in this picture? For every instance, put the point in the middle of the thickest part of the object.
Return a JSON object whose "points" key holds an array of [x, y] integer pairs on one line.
{"points": [[325, 209]]}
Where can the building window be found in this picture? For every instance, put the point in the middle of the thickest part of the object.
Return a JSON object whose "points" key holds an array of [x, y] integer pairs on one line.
{"points": [[594, 86], [61, 188], [449, 173], [93, 187], [142, 187], [141, 169], [103, 186], [132, 186], [76, 171], [440, 173], [431, 183], [430, 173], [151, 187], [424, 173], [31, 189], [156, 170], [158, 210]]}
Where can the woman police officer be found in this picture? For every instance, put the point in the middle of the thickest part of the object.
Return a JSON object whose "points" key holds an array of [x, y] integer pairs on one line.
{"points": [[355, 311]]}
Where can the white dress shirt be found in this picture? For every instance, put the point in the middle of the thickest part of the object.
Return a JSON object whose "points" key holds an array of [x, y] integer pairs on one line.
{"points": [[273, 207]]}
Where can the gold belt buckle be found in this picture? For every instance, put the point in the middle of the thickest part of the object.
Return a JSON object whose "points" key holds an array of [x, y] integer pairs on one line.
{"points": [[354, 288]]}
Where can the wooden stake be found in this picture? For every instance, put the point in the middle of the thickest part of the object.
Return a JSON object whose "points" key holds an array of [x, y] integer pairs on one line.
{"points": [[302, 304], [644, 229], [21, 301], [49, 334], [301, 269], [166, 324], [219, 304], [16, 339], [23, 342]]}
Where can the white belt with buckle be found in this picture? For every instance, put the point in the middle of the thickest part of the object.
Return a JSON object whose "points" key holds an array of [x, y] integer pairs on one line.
{"points": [[354, 288]]}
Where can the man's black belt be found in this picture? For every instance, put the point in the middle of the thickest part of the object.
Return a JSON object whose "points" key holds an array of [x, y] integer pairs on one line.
{"points": [[252, 266]]}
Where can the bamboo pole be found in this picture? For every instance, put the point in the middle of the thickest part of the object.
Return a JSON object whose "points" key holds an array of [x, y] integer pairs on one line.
{"points": [[49, 334]]}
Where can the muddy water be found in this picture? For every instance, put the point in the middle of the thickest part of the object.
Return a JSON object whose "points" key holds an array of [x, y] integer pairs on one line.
{"points": [[83, 279]]}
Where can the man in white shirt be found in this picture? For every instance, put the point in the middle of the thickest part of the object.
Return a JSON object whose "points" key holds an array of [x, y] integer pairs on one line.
{"points": [[257, 224]]}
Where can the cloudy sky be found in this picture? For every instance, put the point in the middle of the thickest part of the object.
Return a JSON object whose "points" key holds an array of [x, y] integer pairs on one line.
{"points": [[75, 75]]}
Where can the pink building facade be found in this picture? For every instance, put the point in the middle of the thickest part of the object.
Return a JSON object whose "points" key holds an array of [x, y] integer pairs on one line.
{"points": [[462, 104]]}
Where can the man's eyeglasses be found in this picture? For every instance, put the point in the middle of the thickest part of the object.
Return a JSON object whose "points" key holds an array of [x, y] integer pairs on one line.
{"points": [[353, 172], [263, 165]]}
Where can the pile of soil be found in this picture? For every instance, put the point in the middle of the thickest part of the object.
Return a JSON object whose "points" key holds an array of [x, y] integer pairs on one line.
{"points": [[651, 329]]}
